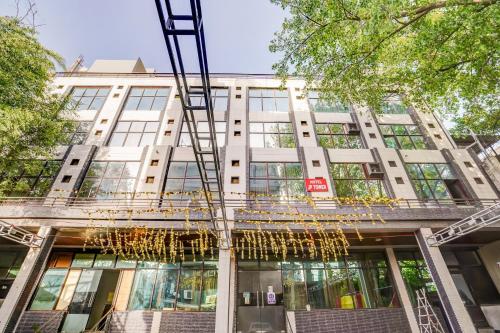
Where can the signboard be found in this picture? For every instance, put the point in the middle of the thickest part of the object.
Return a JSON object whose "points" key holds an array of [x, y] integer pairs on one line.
{"points": [[271, 297], [316, 185]]}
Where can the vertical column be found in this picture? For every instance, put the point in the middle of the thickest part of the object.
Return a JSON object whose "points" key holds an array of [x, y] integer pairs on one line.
{"points": [[402, 292], [455, 311], [223, 310], [26, 280]]}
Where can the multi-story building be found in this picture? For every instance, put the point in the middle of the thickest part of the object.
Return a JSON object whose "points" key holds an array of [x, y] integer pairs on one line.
{"points": [[130, 148]]}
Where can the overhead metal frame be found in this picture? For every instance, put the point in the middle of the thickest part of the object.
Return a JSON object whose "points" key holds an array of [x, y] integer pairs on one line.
{"points": [[207, 158], [488, 216], [19, 235]]}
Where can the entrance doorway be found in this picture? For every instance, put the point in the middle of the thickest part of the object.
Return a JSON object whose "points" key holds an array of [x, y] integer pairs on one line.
{"points": [[92, 299], [260, 298]]}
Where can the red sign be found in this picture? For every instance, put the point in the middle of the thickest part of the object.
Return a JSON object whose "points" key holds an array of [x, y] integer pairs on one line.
{"points": [[316, 185]]}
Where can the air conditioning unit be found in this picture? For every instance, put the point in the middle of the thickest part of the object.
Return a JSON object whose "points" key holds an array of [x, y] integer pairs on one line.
{"points": [[373, 171], [351, 128]]}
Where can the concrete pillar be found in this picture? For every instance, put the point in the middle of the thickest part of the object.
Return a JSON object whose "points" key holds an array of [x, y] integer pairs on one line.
{"points": [[24, 285], [454, 309], [224, 293], [400, 286]]}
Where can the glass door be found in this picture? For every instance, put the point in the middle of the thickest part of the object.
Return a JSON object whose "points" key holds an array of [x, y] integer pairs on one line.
{"points": [[81, 305], [260, 302]]}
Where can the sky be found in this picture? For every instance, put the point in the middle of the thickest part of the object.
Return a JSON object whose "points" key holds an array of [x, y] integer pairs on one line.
{"points": [[237, 32]]}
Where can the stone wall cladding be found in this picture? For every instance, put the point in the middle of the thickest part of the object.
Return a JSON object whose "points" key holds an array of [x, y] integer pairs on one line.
{"points": [[131, 322], [391, 320], [35, 319], [187, 322]]}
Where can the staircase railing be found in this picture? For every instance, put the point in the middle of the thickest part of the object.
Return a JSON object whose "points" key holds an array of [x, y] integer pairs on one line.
{"points": [[103, 323]]}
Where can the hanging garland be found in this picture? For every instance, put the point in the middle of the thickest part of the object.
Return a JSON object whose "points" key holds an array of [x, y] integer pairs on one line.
{"points": [[263, 237]]}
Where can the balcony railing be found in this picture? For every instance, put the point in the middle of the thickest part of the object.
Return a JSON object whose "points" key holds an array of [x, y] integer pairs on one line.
{"points": [[245, 202]]}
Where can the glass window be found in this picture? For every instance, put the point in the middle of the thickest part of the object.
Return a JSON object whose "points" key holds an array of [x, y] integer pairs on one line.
{"points": [[429, 180], [49, 289], [188, 296], [88, 98], [106, 180], [272, 135], [318, 104], [219, 98], [80, 133], [350, 181], [134, 133], [317, 288], [294, 288], [334, 136], [166, 285], [268, 100], [142, 289], [203, 132], [83, 260], [415, 274], [209, 290], [394, 107], [402, 136], [146, 99], [34, 179], [282, 179]]}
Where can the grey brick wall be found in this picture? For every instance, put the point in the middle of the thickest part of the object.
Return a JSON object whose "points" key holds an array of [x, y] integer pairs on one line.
{"points": [[35, 319], [390, 320], [187, 322], [131, 321]]}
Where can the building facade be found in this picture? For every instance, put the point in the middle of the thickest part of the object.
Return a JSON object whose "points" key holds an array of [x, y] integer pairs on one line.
{"points": [[131, 154]]}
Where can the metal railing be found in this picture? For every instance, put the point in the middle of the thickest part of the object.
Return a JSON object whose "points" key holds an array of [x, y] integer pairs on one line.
{"points": [[243, 202]]}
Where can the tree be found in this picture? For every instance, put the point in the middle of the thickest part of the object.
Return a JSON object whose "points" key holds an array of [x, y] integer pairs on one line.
{"points": [[439, 55], [33, 121]]}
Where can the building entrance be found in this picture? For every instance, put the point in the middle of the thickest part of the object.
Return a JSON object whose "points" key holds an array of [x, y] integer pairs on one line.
{"points": [[92, 299], [260, 298]]}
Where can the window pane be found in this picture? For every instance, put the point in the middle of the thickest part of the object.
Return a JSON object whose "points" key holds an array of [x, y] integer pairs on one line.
{"points": [[258, 170], [114, 169], [164, 294], [48, 290], [177, 170], [317, 288], [188, 297], [96, 169], [429, 171], [254, 104], [159, 103], [445, 171], [343, 188], [142, 289], [132, 103], [287, 141], [338, 289], [390, 142], [268, 104], [146, 103], [137, 126], [405, 142], [122, 126], [271, 141], [147, 139], [276, 170], [209, 291], [294, 289], [131, 169], [132, 140], [258, 186], [282, 105], [117, 139], [105, 261], [257, 140], [418, 141], [83, 260], [293, 170]]}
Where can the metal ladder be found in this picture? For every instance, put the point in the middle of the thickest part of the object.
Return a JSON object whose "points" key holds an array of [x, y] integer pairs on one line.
{"points": [[19, 235], [207, 158], [489, 215], [427, 319]]}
